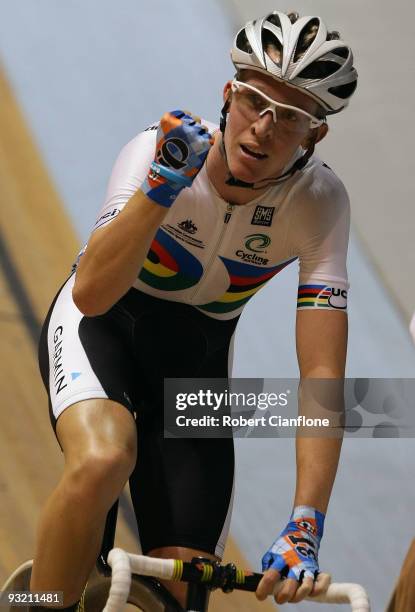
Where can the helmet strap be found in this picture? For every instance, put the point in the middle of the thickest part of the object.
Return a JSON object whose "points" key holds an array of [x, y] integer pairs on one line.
{"points": [[223, 115], [231, 180]]}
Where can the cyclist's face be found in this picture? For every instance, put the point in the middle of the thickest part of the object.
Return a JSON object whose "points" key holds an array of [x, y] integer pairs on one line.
{"points": [[260, 144]]}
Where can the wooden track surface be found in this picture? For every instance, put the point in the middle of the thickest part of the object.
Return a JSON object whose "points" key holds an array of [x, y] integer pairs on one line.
{"points": [[38, 246]]}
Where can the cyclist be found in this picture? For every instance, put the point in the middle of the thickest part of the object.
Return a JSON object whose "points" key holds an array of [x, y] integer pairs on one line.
{"points": [[196, 220]]}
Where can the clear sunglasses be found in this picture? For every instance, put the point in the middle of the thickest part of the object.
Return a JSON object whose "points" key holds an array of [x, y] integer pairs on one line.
{"points": [[254, 104]]}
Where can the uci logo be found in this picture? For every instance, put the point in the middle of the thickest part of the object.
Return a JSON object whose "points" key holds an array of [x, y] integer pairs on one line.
{"points": [[257, 242], [173, 153], [338, 298]]}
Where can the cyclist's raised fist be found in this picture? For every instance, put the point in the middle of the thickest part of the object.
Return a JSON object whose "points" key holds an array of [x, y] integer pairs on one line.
{"points": [[181, 149]]}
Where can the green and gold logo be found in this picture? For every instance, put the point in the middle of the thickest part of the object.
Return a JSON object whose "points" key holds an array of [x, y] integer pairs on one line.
{"points": [[257, 242]]}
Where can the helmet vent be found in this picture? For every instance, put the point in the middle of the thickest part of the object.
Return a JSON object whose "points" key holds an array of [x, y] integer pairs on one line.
{"points": [[341, 52], [275, 20], [307, 35], [242, 42], [272, 46], [319, 70], [343, 91]]}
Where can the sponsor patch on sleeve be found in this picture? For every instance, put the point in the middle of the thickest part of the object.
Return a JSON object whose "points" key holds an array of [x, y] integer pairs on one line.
{"points": [[105, 218], [322, 296]]}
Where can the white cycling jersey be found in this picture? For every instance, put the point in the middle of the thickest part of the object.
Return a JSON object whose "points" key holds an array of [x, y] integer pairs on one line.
{"points": [[215, 255]]}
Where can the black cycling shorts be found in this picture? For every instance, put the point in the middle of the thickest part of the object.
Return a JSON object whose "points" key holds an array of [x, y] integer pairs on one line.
{"points": [[181, 489]]}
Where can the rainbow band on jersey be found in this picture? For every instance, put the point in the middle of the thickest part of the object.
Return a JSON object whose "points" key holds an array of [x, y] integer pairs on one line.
{"points": [[321, 296], [313, 296]]}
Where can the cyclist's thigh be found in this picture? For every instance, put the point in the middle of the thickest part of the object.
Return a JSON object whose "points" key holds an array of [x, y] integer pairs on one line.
{"points": [[87, 365], [182, 491], [181, 488]]}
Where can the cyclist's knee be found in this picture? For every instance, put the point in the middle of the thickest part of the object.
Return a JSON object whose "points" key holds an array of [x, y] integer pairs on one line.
{"points": [[99, 472], [95, 424]]}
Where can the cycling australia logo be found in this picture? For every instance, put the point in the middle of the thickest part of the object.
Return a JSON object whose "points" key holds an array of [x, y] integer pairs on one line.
{"points": [[188, 226], [255, 243]]}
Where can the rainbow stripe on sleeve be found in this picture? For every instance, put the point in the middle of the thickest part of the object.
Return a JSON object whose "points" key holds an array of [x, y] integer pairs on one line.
{"points": [[314, 296]]}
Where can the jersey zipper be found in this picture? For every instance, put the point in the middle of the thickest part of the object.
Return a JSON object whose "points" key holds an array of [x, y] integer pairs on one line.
{"points": [[226, 219]]}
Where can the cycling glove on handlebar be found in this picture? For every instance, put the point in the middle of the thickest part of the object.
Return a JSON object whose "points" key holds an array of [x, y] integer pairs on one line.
{"points": [[295, 553]]}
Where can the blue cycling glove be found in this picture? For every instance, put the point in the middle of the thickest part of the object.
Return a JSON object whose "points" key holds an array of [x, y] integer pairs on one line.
{"points": [[295, 553], [181, 149]]}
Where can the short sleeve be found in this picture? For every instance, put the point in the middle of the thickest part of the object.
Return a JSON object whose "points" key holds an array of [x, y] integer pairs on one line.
{"points": [[128, 174], [322, 218]]}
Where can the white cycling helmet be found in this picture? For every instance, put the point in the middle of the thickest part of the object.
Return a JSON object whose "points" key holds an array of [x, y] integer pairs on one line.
{"points": [[319, 63]]}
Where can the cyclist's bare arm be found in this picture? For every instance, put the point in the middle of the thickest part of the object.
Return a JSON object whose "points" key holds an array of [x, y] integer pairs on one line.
{"points": [[321, 337], [115, 254], [321, 349]]}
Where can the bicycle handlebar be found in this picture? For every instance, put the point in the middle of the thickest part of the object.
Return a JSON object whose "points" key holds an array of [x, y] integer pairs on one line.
{"points": [[213, 574]]}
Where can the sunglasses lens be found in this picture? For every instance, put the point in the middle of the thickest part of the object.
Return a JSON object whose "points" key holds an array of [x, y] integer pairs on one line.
{"points": [[254, 105]]}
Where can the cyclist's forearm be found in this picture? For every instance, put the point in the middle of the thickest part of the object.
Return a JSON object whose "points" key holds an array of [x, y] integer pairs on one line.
{"points": [[318, 446], [317, 461], [115, 254]]}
